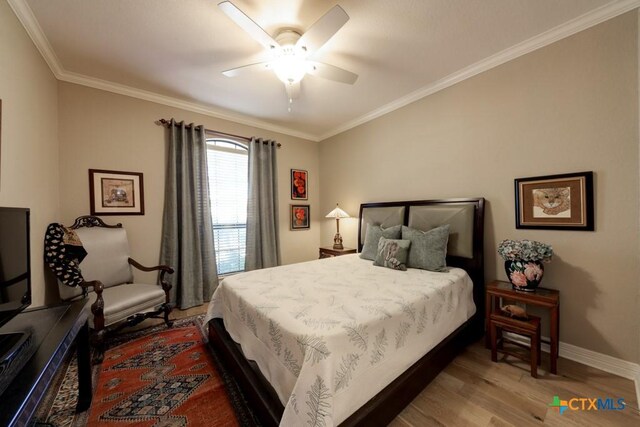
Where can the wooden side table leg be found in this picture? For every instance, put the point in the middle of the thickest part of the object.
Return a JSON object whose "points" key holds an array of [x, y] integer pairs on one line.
{"points": [[539, 348], [487, 313], [493, 336], [554, 327], [84, 369], [535, 344]]}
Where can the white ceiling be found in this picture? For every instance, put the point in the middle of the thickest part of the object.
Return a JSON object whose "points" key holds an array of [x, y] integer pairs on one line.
{"points": [[173, 51]]}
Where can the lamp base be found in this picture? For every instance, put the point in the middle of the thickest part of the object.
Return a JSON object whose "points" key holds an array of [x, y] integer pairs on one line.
{"points": [[337, 241]]}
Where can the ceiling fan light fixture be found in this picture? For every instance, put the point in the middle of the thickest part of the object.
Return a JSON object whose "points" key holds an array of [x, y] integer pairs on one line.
{"points": [[292, 52], [290, 68]]}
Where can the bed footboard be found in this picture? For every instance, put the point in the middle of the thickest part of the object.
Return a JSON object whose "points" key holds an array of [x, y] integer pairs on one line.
{"points": [[262, 398], [379, 411]]}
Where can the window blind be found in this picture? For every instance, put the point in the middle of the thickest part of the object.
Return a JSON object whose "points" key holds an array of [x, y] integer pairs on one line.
{"points": [[227, 164]]}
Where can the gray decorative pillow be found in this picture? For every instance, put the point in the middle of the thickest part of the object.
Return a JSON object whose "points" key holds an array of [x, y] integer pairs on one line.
{"points": [[428, 248], [392, 253], [374, 233]]}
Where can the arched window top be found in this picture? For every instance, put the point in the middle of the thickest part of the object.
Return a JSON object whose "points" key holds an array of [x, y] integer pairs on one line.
{"points": [[224, 144]]}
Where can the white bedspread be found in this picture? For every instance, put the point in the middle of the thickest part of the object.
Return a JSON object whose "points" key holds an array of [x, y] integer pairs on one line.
{"points": [[330, 334]]}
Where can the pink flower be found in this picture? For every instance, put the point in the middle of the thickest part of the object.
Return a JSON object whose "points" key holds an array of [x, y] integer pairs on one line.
{"points": [[533, 272], [518, 279]]}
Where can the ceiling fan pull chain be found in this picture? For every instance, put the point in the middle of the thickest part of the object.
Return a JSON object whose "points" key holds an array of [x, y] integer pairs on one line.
{"points": [[289, 92]]}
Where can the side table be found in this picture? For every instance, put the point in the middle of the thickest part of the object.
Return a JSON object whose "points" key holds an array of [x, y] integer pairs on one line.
{"points": [[328, 252], [54, 329], [541, 297]]}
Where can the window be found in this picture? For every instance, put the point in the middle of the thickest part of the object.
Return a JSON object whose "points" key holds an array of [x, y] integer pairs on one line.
{"points": [[227, 163]]}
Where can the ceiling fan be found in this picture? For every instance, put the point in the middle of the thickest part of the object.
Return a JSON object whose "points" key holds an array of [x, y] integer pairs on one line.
{"points": [[291, 51]]}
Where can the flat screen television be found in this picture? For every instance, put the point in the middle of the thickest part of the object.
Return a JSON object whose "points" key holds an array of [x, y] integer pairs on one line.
{"points": [[15, 271], [16, 346]]}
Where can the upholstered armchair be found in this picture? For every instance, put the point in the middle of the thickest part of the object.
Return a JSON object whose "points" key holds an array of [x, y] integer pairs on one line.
{"points": [[106, 277]]}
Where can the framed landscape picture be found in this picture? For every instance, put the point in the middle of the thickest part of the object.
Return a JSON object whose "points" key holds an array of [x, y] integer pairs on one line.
{"points": [[116, 192], [299, 184], [300, 217], [555, 202]]}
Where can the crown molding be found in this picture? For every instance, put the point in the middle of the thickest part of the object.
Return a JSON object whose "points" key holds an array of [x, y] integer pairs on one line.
{"points": [[195, 107], [567, 29], [31, 25]]}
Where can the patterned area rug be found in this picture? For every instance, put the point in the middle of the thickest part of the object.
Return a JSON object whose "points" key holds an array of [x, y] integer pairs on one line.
{"points": [[154, 377]]}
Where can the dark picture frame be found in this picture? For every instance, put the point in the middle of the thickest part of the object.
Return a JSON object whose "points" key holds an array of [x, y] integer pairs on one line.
{"points": [[299, 184], [555, 202], [116, 192], [300, 217]]}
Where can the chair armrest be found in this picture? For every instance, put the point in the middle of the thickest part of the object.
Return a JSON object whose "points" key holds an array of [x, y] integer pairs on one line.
{"points": [[97, 286], [97, 308], [163, 268]]}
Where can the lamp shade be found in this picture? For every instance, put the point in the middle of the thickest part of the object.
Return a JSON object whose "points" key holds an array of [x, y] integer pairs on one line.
{"points": [[337, 213]]}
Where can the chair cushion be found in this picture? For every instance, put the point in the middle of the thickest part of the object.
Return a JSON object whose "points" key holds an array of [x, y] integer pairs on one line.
{"points": [[122, 301], [107, 255]]}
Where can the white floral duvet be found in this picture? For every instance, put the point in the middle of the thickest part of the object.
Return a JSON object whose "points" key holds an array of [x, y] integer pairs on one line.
{"points": [[330, 334]]}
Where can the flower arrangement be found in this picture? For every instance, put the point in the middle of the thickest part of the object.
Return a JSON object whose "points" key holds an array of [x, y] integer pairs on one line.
{"points": [[525, 250]]}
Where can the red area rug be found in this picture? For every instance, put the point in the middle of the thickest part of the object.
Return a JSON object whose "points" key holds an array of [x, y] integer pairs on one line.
{"points": [[133, 385], [164, 379]]}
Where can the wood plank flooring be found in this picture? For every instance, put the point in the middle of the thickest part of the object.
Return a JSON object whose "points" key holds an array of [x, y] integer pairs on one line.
{"points": [[473, 391]]}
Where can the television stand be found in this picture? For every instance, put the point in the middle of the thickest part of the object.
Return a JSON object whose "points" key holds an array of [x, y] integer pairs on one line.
{"points": [[54, 330], [7, 342], [16, 348]]}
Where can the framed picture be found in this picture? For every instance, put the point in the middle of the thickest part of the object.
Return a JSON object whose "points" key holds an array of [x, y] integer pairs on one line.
{"points": [[116, 193], [555, 202], [300, 217], [299, 185]]}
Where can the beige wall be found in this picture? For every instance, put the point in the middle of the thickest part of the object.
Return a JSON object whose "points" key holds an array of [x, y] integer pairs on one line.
{"points": [[29, 139], [569, 107], [102, 130]]}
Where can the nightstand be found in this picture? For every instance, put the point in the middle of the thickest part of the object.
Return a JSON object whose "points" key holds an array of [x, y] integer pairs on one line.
{"points": [[328, 252], [541, 297]]}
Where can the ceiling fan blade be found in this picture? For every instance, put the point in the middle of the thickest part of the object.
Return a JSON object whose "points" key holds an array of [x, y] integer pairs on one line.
{"points": [[259, 66], [247, 24], [323, 29], [293, 90], [331, 72]]}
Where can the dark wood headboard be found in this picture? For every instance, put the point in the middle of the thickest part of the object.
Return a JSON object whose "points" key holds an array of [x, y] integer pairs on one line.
{"points": [[466, 240]]}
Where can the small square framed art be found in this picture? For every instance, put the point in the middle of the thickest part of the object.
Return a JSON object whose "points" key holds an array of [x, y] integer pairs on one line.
{"points": [[555, 202], [116, 192], [300, 217]]}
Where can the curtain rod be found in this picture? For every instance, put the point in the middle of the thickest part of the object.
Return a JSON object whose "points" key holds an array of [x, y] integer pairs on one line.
{"points": [[164, 122]]}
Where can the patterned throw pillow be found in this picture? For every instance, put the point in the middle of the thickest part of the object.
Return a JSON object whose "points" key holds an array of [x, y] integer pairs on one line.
{"points": [[374, 233], [428, 248], [392, 253]]}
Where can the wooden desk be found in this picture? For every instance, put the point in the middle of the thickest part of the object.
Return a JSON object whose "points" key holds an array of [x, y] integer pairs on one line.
{"points": [[54, 329], [328, 252], [542, 297]]}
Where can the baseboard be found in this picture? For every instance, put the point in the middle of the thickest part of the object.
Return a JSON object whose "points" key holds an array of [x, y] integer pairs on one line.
{"points": [[606, 363]]}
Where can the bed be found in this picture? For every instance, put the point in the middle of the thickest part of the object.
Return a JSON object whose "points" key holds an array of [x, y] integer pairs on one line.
{"points": [[318, 334]]}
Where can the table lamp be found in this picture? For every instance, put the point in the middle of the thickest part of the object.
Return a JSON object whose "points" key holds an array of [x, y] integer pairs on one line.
{"points": [[337, 213]]}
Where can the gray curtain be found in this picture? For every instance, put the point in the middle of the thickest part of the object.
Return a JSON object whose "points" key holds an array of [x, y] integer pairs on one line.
{"points": [[187, 231], [263, 246]]}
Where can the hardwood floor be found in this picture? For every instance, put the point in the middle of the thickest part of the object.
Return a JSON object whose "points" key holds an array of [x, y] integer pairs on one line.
{"points": [[473, 391]]}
